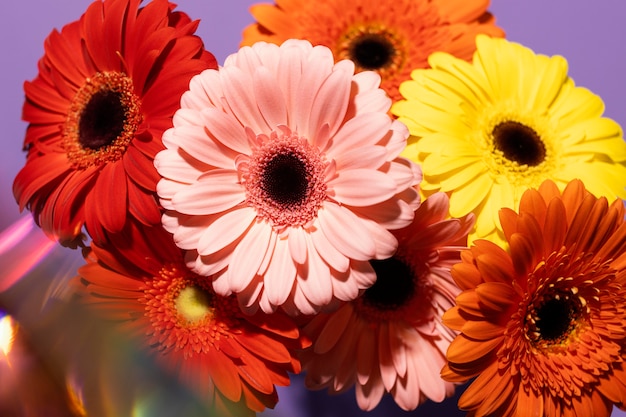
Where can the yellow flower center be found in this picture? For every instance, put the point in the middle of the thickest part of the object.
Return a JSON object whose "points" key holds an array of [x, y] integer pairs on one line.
{"points": [[193, 304], [102, 120]]}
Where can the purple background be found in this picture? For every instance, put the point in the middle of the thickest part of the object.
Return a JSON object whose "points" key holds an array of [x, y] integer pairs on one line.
{"points": [[590, 34]]}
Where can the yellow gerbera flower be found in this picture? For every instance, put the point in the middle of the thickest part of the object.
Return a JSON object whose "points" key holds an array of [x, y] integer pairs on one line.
{"points": [[486, 131]]}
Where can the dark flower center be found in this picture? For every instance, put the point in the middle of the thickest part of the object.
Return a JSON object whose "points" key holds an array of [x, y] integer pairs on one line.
{"points": [[285, 179], [102, 120], [519, 143], [394, 284], [372, 51], [555, 318]]}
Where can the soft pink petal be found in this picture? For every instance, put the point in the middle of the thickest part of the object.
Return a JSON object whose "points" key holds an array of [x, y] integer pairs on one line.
{"points": [[369, 395], [331, 101], [248, 256], [386, 366], [367, 354], [208, 197], [297, 244], [238, 90], [314, 278], [225, 229], [269, 98], [345, 287], [280, 274], [225, 129], [406, 391], [172, 166], [397, 346], [363, 130], [362, 157], [334, 329], [362, 187], [345, 232], [195, 142], [337, 260]]}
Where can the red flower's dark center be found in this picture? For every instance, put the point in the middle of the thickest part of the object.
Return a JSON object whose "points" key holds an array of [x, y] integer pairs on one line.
{"points": [[394, 285], [372, 51], [103, 119], [286, 180], [519, 143]]}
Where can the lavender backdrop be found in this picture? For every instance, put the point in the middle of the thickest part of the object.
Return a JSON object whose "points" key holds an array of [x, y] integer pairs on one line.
{"points": [[590, 34]]}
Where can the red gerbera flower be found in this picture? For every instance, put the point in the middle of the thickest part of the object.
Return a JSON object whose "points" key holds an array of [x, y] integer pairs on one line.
{"points": [[107, 88], [231, 360], [543, 326]]}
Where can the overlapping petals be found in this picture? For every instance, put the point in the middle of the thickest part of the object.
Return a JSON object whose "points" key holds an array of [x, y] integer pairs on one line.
{"points": [[391, 339], [281, 177]]}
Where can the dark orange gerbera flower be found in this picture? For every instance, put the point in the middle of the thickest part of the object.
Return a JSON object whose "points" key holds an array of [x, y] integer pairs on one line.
{"points": [[543, 326], [391, 37], [107, 88], [231, 360]]}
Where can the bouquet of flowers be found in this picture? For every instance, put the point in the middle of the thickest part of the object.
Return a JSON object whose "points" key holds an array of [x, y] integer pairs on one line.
{"points": [[390, 198]]}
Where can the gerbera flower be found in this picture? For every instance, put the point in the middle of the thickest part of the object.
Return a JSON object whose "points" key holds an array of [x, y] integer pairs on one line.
{"points": [[281, 177], [487, 131], [228, 358], [107, 88], [391, 37], [543, 326], [391, 338]]}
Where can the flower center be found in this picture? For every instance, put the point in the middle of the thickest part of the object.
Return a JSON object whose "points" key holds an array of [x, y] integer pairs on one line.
{"points": [[394, 285], [556, 318], [371, 47], [285, 179], [193, 303], [372, 51], [102, 120], [519, 143]]}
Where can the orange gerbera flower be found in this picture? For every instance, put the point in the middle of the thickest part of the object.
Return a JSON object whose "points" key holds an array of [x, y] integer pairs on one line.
{"points": [[231, 360], [107, 88], [543, 326], [391, 37]]}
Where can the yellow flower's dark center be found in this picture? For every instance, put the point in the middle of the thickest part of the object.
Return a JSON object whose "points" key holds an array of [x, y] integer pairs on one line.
{"points": [[394, 286], [285, 179], [519, 143], [102, 120], [372, 51]]}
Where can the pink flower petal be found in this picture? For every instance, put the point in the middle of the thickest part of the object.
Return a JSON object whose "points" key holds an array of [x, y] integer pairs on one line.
{"points": [[369, 395], [238, 93], [362, 187], [314, 278], [345, 232], [334, 330], [225, 229], [208, 198], [269, 97], [366, 355], [225, 129], [333, 257], [297, 244], [248, 256], [345, 287], [362, 157], [280, 274], [331, 101], [363, 130], [385, 364]]}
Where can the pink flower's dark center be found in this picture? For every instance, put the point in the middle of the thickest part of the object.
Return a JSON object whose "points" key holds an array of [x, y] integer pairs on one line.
{"points": [[394, 285], [286, 180], [519, 143], [556, 318], [372, 51], [102, 120]]}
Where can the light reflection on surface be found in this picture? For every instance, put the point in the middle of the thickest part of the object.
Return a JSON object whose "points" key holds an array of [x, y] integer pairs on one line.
{"points": [[7, 334]]}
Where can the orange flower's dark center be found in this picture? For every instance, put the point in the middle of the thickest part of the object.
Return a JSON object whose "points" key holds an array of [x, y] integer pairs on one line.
{"points": [[556, 318], [284, 179], [394, 286], [102, 120], [193, 303], [372, 51], [371, 47], [519, 143]]}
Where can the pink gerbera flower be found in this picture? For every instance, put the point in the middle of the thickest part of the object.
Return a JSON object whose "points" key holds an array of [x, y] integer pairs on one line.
{"points": [[391, 339], [282, 177]]}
